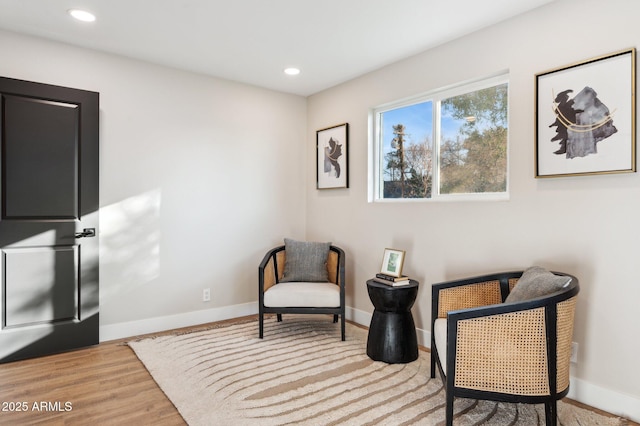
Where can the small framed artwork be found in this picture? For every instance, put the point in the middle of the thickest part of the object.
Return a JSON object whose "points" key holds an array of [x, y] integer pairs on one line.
{"points": [[585, 117], [332, 146], [392, 262]]}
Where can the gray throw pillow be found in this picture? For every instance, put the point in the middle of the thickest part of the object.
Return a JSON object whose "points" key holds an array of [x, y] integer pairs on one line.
{"points": [[305, 261], [537, 282]]}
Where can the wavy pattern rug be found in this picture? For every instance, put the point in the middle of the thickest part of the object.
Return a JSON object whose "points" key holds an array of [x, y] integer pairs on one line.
{"points": [[302, 374]]}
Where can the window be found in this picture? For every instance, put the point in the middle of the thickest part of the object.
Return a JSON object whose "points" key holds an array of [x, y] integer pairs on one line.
{"points": [[469, 159]]}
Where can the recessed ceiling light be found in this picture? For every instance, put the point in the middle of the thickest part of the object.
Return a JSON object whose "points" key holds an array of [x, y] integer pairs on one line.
{"points": [[82, 15], [292, 71]]}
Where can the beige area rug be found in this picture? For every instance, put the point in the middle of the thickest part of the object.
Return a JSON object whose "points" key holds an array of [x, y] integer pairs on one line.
{"points": [[301, 373]]}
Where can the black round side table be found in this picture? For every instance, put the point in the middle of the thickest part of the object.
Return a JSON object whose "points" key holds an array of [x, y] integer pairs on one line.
{"points": [[392, 333]]}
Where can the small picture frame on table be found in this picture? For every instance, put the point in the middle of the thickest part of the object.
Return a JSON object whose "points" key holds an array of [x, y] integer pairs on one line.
{"points": [[392, 262]]}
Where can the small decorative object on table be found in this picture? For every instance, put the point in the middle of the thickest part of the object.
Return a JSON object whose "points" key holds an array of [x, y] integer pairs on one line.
{"points": [[392, 263], [393, 281]]}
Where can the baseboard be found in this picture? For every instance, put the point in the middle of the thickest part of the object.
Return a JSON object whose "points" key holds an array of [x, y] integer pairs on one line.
{"points": [[582, 391], [604, 399], [358, 316], [170, 322]]}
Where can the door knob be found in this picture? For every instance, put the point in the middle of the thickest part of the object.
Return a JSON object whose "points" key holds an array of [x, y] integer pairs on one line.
{"points": [[86, 232]]}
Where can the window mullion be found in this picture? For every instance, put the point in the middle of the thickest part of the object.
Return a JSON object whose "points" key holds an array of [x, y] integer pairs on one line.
{"points": [[435, 172]]}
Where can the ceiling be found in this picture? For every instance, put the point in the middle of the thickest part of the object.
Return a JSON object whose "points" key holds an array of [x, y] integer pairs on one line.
{"points": [[252, 41]]}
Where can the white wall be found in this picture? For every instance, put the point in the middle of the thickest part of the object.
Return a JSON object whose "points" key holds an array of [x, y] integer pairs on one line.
{"points": [[586, 226], [199, 177]]}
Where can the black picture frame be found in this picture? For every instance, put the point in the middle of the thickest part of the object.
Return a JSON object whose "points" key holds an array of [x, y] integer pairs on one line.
{"points": [[332, 157]]}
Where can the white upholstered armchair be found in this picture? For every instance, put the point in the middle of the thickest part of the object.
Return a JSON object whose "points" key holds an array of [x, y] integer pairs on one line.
{"points": [[302, 278]]}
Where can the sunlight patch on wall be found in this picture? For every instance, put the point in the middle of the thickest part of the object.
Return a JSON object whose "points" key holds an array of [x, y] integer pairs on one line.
{"points": [[129, 244]]}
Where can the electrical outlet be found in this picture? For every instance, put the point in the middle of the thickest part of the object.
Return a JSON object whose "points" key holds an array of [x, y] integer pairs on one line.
{"points": [[574, 352], [206, 295]]}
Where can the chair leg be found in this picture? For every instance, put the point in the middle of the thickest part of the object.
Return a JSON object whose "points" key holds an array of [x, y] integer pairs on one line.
{"points": [[260, 325], [342, 325], [551, 413], [279, 316], [433, 361], [449, 407], [335, 318]]}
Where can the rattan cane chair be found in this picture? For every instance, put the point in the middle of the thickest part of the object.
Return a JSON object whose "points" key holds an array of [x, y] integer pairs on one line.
{"points": [[492, 349], [301, 296]]}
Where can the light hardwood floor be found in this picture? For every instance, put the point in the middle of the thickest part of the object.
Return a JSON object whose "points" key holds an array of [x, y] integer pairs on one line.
{"points": [[105, 384], [100, 385]]}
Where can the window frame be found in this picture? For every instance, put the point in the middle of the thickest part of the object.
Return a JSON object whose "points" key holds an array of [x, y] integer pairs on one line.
{"points": [[436, 97]]}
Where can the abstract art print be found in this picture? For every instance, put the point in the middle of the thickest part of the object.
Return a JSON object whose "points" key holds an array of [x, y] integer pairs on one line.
{"points": [[332, 157], [585, 117]]}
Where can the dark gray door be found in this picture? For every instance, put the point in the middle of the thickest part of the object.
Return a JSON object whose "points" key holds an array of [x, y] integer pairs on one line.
{"points": [[48, 219]]}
